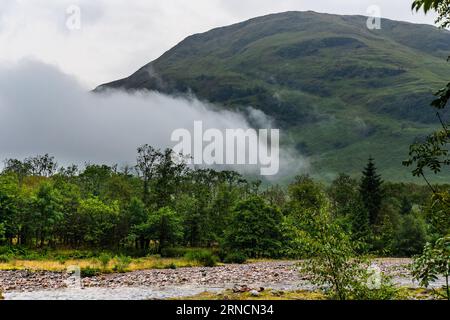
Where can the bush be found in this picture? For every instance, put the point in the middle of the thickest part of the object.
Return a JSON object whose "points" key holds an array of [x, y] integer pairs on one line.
{"points": [[412, 236], [173, 252], [5, 258], [104, 260], [386, 291], [89, 272], [333, 268], [122, 263], [61, 260], [432, 264], [205, 257], [172, 266], [235, 257], [5, 249]]}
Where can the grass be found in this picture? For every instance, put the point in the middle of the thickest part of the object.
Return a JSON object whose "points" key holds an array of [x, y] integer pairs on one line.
{"points": [[59, 261], [402, 294], [60, 266], [264, 295], [417, 294]]}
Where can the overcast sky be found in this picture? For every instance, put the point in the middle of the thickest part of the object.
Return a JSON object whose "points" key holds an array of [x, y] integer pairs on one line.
{"points": [[119, 36], [47, 69]]}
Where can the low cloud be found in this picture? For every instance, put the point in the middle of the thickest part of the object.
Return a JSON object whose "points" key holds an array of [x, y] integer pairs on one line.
{"points": [[43, 110]]}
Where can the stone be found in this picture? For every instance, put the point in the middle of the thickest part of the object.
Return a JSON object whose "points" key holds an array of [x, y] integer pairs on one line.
{"points": [[254, 293]]}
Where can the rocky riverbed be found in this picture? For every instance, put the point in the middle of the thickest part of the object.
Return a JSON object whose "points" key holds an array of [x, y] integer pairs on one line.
{"points": [[159, 284]]}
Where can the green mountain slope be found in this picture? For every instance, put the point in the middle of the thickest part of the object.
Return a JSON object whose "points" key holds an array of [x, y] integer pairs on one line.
{"points": [[340, 91]]}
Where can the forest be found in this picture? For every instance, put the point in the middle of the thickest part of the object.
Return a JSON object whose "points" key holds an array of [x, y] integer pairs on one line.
{"points": [[161, 204]]}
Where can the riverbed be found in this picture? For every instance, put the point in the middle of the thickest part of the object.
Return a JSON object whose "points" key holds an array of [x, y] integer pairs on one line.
{"points": [[165, 284]]}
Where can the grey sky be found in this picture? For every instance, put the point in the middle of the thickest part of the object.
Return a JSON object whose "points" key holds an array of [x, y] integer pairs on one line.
{"points": [[119, 36], [46, 70]]}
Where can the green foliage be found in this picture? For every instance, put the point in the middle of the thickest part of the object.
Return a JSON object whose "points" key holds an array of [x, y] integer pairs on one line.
{"points": [[2, 232], [384, 237], [101, 209], [89, 272], [255, 229], [165, 227], [100, 220], [121, 263], [41, 216], [333, 267], [411, 237], [349, 209], [434, 263], [205, 257], [371, 192], [437, 214], [10, 199], [161, 175], [306, 196], [235, 257], [104, 260], [440, 6], [5, 258], [306, 199], [174, 252], [434, 155]]}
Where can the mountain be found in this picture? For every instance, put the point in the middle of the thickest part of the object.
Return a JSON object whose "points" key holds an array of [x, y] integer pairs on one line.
{"points": [[339, 91]]}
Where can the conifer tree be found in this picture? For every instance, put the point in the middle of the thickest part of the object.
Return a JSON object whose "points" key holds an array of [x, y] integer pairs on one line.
{"points": [[371, 191]]}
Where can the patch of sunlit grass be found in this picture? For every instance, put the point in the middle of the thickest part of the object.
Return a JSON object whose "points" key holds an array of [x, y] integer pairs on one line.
{"points": [[153, 262], [265, 295]]}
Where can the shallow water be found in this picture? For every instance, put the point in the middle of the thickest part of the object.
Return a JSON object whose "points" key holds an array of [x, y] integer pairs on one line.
{"points": [[158, 293], [132, 293], [123, 293]]}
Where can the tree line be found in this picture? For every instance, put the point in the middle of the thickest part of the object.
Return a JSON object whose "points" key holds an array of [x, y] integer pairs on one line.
{"points": [[161, 203]]}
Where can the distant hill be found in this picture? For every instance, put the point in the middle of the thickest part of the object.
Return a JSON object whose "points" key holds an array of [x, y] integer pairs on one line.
{"points": [[340, 91]]}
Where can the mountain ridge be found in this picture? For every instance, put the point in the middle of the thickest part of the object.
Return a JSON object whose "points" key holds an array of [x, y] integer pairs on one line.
{"points": [[340, 91]]}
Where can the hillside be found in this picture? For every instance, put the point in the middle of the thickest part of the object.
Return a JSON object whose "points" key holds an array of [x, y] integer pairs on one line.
{"points": [[340, 91]]}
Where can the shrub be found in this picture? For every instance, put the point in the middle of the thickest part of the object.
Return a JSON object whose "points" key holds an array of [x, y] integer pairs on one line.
{"points": [[5, 258], [61, 260], [173, 252], [385, 291], [5, 249], [434, 263], [122, 263], [333, 266], [104, 260], [204, 257], [89, 272], [235, 257], [172, 266]]}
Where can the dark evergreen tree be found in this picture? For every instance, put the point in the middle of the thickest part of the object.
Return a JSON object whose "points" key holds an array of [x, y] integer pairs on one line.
{"points": [[371, 191]]}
